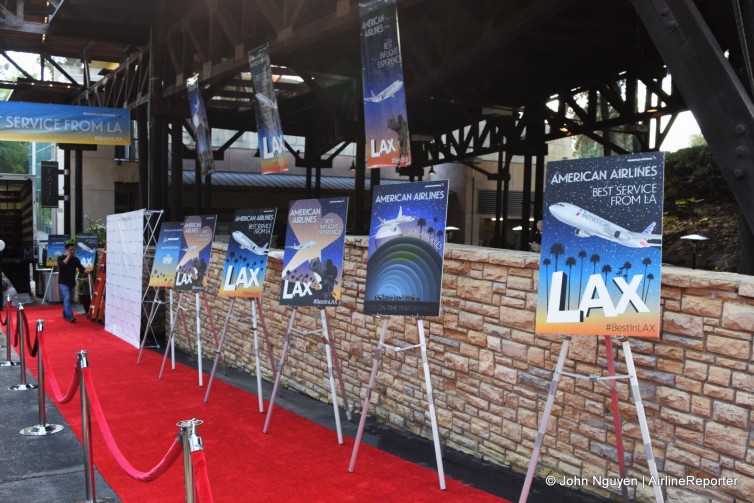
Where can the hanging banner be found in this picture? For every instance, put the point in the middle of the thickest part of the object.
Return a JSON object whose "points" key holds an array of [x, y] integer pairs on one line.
{"points": [[600, 263], [166, 255], [201, 126], [86, 249], [406, 247], [55, 248], [314, 246], [64, 123], [246, 259], [385, 117], [196, 251], [269, 132]]}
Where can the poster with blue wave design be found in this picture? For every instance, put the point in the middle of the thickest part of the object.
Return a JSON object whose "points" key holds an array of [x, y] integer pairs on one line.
{"points": [[406, 247], [246, 259], [314, 247], [86, 249], [166, 255]]}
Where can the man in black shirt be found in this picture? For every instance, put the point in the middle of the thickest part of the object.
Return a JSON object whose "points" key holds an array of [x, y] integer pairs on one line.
{"points": [[67, 265]]}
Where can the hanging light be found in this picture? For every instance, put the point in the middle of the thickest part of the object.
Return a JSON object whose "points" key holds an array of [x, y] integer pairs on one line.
{"points": [[432, 170], [353, 166]]}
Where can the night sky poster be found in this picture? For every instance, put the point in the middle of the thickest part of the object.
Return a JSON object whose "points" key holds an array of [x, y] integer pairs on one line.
{"points": [[55, 248], [406, 246], [166, 255], [385, 117], [196, 250], [314, 246], [201, 126], [271, 143], [86, 249], [246, 259], [600, 263]]}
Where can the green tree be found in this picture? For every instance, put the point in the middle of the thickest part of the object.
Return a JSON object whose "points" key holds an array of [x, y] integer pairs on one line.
{"points": [[14, 157]]}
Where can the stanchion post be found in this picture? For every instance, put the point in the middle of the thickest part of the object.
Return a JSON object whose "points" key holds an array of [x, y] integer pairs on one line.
{"points": [[191, 442], [8, 342], [86, 431], [41, 428], [21, 352]]}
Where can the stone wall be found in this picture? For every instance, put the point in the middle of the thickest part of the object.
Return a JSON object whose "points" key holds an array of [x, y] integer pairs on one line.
{"points": [[491, 373]]}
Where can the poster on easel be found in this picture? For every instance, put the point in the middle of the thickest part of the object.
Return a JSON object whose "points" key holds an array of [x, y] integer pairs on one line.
{"points": [[406, 247], [314, 247], [86, 249], [601, 256], [166, 255], [55, 248], [196, 251], [246, 258]]}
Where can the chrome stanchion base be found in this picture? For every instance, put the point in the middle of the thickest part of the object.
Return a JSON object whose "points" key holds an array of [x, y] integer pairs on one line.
{"points": [[39, 430], [22, 387], [8, 364]]}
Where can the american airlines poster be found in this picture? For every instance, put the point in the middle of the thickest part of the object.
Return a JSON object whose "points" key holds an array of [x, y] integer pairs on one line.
{"points": [[406, 247], [246, 259], [86, 249], [196, 250], [385, 117], [314, 247], [166, 255], [600, 264], [55, 248], [201, 126], [271, 143]]}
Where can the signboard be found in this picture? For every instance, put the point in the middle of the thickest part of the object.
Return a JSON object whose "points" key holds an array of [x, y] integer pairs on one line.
{"points": [[55, 248], [196, 251], [166, 255], [201, 126], [406, 246], [246, 259], [601, 254], [269, 131], [86, 249], [314, 246], [385, 117], [49, 197], [64, 123]]}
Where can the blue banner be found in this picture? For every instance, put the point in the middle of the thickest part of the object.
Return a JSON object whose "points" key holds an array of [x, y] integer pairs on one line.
{"points": [[201, 126], [269, 131], [385, 117], [64, 124]]}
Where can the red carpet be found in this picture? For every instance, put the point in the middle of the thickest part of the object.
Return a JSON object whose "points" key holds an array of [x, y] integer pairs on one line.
{"points": [[298, 461]]}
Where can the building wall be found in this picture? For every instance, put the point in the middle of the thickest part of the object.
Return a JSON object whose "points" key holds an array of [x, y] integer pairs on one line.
{"points": [[491, 374]]}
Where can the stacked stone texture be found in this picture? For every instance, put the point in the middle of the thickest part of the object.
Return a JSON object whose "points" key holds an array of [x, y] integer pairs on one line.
{"points": [[491, 373]]}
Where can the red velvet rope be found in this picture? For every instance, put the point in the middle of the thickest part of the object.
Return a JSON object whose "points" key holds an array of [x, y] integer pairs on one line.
{"points": [[32, 348], [170, 456], [201, 480], [3, 321], [50, 375]]}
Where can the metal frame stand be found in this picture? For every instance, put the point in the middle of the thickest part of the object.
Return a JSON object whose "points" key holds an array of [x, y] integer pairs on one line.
{"points": [[631, 376], [41, 428], [156, 303], [255, 331], [376, 356], [21, 352], [53, 272], [8, 342], [330, 355]]}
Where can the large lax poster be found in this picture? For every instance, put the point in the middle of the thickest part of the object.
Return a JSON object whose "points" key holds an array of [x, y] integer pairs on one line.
{"points": [[600, 263], [406, 246], [246, 259], [86, 249], [314, 246], [196, 250], [166, 255]]}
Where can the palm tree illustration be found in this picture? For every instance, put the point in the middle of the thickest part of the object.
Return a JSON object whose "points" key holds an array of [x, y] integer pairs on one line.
{"points": [[582, 256], [570, 262], [439, 234], [626, 267], [430, 231], [557, 249], [594, 259], [606, 269], [421, 223], [435, 219], [650, 277], [546, 262], [646, 263]]}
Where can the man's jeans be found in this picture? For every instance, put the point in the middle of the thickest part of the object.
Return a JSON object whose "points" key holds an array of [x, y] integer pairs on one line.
{"points": [[66, 292]]}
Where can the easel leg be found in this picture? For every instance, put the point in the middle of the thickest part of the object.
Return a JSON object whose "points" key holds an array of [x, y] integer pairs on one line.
{"points": [[150, 319], [336, 361], [219, 349], [199, 341], [616, 416], [333, 393], [172, 334], [172, 324], [256, 354], [431, 403], [545, 419], [266, 338], [208, 309], [365, 409], [642, 419], [279, 371]]}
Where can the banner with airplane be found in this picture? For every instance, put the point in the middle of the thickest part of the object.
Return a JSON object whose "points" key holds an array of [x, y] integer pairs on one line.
{"points": [[166, 256], [271, 143], [86, 249], [55, 248], [600, 264], [385, 117], [201, 126], [314, 247], [406, 247], [43, 122], [246, 259], [196, 251]]}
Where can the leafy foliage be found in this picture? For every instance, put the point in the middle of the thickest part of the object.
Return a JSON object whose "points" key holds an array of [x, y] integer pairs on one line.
{"points": [[14, 157]]}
